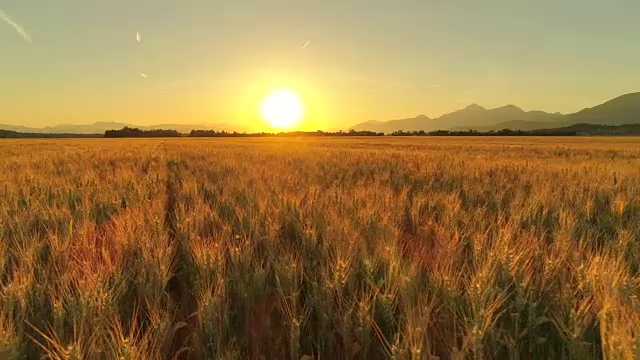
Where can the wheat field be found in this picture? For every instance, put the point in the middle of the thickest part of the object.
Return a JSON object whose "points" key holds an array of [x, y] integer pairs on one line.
{"points": [[386, 248]]}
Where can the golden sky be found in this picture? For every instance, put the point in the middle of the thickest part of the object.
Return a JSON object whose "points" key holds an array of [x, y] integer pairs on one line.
{"points": [[158, 61]]}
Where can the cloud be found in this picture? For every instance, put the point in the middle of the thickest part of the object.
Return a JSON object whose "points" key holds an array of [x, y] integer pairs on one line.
{"points": [[144, 76], [307, 44], [17, 27], [138, 36]]}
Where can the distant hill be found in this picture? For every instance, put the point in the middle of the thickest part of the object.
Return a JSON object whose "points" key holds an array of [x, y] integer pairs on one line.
{"points": [[619, 111], [409, 124], [477, 116], [101, 127], [471, 117]]}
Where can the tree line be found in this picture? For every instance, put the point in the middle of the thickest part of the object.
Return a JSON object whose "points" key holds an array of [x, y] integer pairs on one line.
{"points": [[503, 132], [213, 133], [10, 134], [127, 132]]}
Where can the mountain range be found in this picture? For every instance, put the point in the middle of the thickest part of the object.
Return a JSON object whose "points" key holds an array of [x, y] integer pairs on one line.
{"points": [[619, 111]]}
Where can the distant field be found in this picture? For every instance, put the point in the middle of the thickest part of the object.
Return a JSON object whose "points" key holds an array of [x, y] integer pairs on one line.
{"points": [[320, 248]]}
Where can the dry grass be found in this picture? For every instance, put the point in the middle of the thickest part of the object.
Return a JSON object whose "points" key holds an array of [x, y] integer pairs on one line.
{"points": [[320, 248]]}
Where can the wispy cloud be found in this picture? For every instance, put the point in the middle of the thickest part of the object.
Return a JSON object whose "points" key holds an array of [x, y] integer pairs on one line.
{"points": [[17, 27], [138, 36], [307, 44], [144, 76]]}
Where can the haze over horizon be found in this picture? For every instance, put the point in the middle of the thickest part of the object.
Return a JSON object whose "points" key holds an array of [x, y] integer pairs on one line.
{"points": [[154, 62]]}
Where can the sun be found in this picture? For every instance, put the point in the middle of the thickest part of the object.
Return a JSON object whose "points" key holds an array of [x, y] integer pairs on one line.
{"points": [[282, 109]]}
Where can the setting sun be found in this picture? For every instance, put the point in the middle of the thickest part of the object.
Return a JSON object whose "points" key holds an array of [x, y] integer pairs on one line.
{"points": [[282, 109]]}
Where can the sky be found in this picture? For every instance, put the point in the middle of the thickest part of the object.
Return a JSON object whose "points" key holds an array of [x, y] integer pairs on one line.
{"points": [[194, 61]]}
